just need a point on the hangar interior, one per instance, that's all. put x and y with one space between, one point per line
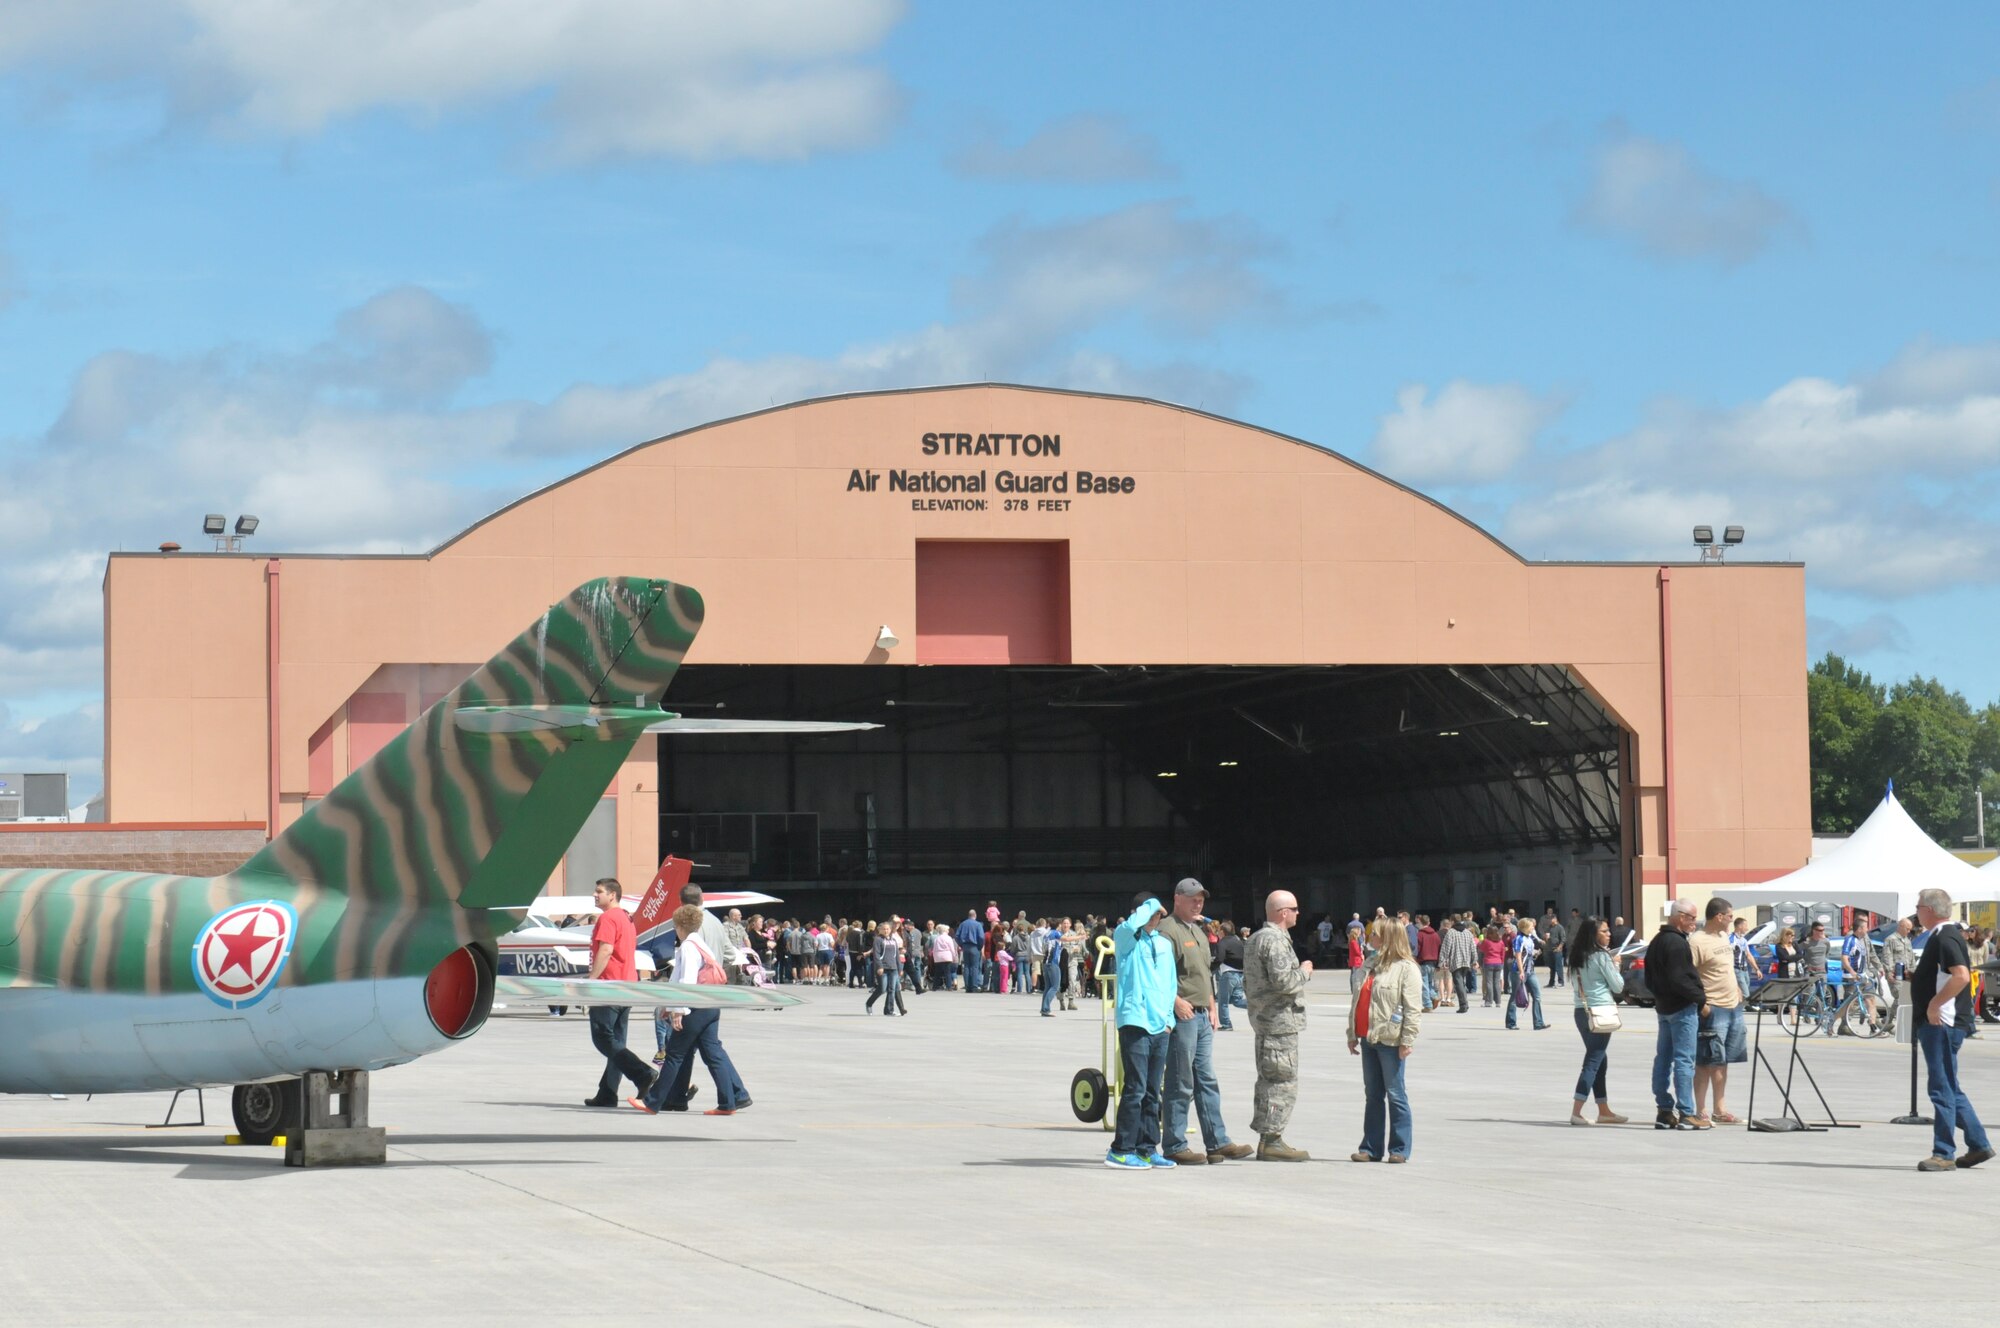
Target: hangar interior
1068 786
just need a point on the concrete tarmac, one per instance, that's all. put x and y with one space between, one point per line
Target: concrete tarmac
927 1170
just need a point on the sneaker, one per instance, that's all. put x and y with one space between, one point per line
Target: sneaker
1231 1153
660 1056
744 1104
1126 1162
1161 1161
1974 1157
600 1102
1937 1164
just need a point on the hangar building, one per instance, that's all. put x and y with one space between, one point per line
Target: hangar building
1110 641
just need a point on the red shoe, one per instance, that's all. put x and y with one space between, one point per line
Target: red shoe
720 1111
639 1104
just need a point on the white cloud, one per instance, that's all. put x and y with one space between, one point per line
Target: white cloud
1468 433
70 742
359 443
683 78
1882 489
1655 194
1925 373
1024 316
1878 633
1076 149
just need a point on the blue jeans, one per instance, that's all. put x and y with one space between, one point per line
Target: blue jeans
1430 974
1534 987
1596 1060
1145 1063
700 1034
607 1034
892 988
1229 992
1673 1060
1051 981
1191 1078
1382 1080
973 972
1556 959
1951 1110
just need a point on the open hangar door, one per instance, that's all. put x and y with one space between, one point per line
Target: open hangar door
1065 788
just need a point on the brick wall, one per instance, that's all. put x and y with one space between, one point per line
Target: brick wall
179 850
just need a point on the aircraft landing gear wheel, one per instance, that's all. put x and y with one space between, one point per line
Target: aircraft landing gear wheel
1089 1095
265 1111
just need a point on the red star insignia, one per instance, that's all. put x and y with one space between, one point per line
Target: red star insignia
240 948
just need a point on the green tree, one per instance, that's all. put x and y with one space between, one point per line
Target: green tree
1919 733
1923 738
1842 704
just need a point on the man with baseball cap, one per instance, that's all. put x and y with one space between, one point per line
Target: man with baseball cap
1190 1051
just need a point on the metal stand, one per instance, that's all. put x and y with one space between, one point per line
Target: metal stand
327 1136
1906 1028
200 1107
1784 991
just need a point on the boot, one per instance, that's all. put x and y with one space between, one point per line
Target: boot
1273 1148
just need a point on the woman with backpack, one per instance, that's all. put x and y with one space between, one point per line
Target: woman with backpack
1382 1030
1598 984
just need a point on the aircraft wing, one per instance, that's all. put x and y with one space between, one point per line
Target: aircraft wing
584 991
684 724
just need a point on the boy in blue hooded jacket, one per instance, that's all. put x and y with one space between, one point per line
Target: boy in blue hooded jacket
1146 983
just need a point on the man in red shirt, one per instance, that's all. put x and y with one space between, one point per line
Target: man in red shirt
1429 944
612 943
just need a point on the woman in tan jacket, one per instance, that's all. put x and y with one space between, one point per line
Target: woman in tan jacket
1383 1032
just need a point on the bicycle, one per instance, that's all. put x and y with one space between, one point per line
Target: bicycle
1862 1010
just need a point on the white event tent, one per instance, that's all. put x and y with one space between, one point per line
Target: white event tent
1880 868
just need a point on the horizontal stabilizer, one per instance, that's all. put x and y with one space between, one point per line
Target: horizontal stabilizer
585 991
681 725
568 721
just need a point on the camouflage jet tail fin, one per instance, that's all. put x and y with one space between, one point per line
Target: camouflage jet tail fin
459 809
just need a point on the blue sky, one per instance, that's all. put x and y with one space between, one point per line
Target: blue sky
371 269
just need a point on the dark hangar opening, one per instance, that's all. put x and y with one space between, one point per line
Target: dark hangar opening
1068 787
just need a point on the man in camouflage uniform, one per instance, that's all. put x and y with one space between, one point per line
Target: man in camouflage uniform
1273 982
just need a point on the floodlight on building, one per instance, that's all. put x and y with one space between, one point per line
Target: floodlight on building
216 526
886 639
1226 765
1712 552
1447 733
1168 774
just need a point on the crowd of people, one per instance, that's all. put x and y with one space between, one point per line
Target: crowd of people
1177 975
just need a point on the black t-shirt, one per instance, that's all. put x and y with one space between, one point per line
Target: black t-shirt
1944 951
